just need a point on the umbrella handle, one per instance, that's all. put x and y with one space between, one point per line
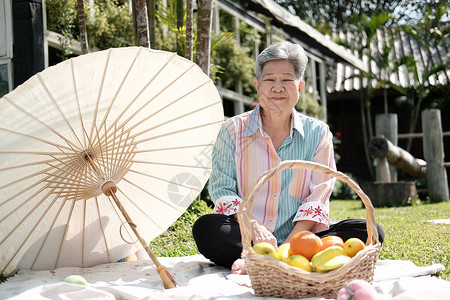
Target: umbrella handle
166 277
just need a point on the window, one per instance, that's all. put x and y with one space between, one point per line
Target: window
5 48
5 78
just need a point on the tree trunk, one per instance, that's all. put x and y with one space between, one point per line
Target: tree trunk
364 130
180 23
82 25
396 156
412 129
151 8
189 30
140 22
204 34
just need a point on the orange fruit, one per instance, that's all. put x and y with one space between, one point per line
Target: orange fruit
353 246
331 240
305 243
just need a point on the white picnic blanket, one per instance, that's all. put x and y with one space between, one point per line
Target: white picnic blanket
198 279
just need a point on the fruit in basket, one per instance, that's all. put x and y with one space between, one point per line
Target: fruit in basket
319 261
305 243
334 263
357 289
265 248
299 261
331 240
284 251
353 246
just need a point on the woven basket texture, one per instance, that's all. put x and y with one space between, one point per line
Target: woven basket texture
272 278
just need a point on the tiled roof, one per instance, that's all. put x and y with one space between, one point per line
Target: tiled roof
402 45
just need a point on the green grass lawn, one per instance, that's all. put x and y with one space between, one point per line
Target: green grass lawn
408 235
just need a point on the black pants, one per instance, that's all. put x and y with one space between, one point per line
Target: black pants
218 237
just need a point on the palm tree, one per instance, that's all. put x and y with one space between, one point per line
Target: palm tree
180 23
82 26
140 21
189 30
431 34
204 34
366 28
151 8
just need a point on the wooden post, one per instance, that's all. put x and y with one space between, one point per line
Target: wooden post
386 125
383 170
433 150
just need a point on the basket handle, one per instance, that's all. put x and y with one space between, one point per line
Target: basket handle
244 213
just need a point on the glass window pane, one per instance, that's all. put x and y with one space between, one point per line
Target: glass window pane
4 80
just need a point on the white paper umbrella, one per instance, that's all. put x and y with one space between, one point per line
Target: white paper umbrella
136 122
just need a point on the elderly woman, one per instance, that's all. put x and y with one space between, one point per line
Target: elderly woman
256 141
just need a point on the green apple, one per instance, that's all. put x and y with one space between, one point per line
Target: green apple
76 279
266 248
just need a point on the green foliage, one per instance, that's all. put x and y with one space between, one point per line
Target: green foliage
343 190
235 64
168 17
310 106
62 18
368 26
111 27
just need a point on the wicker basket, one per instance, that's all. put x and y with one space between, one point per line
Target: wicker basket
271 278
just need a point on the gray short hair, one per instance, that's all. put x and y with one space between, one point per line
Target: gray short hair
293 53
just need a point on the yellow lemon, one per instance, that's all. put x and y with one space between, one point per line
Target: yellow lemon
353 246
284 252
299 261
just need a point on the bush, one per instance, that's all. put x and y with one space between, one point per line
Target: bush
234 63
343 191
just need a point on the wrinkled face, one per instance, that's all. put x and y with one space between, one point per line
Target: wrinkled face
278 87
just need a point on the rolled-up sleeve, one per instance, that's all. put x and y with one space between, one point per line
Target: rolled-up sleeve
222 183
315 207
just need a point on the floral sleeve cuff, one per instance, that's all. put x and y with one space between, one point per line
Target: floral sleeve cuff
227 205
313 211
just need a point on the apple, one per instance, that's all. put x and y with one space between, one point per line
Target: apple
76 279
265 248
357 289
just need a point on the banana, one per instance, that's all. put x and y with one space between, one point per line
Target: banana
320 258
334 263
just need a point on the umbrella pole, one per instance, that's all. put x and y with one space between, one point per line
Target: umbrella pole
166 277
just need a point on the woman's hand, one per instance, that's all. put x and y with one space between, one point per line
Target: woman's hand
261 234
305 225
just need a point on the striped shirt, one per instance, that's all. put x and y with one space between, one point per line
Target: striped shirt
243 151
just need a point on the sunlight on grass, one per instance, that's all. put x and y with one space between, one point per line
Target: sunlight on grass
408 235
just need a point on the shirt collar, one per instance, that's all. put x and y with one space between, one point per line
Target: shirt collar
254 122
